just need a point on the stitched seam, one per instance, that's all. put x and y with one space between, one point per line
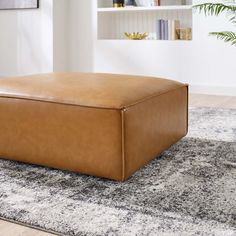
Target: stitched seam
123 145
58 103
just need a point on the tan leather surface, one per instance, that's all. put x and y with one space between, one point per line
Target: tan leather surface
85 140
119 126
153 126
84 89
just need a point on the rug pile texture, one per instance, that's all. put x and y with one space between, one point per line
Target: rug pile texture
189 190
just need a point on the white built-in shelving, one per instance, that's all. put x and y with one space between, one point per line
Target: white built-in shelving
113 22
145 9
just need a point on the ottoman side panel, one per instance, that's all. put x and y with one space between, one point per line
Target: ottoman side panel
81 139
154 125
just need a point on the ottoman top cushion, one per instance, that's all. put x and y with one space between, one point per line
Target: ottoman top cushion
86 89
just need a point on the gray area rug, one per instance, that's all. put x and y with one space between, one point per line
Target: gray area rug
189 190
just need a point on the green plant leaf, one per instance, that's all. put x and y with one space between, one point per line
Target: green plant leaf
215 8
227 36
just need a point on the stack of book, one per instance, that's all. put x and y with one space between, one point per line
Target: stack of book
167 29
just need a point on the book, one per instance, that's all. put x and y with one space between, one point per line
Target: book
154 3
162 30
165 30
157 2
170 30
175 24
158 29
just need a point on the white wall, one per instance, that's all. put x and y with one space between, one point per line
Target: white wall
60 35
26 44
206 63
82 23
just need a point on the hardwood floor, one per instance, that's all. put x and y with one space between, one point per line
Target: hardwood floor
10 229
212 101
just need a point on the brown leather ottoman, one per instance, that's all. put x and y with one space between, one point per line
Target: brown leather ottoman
97 124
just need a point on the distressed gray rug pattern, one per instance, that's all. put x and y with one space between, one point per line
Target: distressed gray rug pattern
189 190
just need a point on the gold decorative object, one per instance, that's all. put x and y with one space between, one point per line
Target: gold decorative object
136 36
118 5
184 33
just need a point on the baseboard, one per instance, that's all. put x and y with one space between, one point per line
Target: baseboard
213 90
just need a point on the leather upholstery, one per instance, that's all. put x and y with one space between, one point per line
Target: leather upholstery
97 124
85 89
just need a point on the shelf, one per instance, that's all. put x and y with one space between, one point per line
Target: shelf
113 22
154 41
145 9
